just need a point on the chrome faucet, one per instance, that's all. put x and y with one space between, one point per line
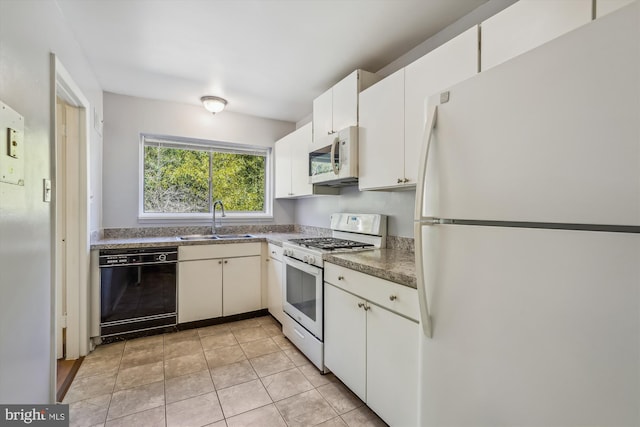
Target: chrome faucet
213 225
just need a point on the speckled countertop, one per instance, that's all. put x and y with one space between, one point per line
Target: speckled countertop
395 265
389 264
164 241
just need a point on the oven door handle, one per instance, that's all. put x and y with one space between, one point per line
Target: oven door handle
307 268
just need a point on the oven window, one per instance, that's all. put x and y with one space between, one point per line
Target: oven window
301 291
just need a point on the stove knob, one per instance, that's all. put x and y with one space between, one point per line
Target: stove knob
311 260
306 259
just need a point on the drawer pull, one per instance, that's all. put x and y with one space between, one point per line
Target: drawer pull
392 297
340 277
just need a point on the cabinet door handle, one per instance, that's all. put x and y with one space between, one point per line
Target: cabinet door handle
392 297
405 180
225 261
273 252
367 307
399 180
360 305
340 277
267 260
219 262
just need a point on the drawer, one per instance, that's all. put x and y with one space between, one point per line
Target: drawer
275 251
219 250
398 298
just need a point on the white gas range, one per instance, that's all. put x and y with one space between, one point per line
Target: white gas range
303 290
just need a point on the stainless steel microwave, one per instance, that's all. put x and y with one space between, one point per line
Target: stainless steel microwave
334 160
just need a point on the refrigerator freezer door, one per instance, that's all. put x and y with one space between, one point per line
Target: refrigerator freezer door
550 136
531 327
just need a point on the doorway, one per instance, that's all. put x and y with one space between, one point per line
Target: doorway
70 210
66 206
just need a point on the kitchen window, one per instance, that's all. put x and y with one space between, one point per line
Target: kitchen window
180 178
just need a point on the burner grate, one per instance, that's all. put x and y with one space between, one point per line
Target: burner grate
330 243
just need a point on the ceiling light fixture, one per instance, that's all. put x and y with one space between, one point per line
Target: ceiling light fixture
214 104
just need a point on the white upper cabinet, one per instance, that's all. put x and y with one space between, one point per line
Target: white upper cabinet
604 7
323 114
292 166
345 101
381 134
300 185
451 63
393 112
528 24
291 158
337 108
283 162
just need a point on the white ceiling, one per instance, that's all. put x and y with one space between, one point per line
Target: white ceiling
268 58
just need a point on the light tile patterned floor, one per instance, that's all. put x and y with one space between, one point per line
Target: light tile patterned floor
237 374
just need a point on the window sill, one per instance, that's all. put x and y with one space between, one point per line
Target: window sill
205 219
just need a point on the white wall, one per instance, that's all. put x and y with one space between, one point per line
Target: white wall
398 205
127 117
29 31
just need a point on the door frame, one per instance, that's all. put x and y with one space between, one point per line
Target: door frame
78 251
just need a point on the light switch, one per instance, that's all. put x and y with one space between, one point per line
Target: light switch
46 190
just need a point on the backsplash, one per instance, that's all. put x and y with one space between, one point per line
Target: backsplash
117 233
400 243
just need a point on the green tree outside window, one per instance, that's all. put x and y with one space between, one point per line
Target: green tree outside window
190 179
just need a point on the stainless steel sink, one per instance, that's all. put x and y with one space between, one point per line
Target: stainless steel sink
234 236
215 236
199 237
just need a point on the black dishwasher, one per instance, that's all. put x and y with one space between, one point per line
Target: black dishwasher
137 290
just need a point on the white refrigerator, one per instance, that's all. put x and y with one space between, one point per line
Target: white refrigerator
527 238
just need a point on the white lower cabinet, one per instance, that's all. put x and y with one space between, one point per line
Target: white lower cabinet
373 350
392 366
199 290
345 340
241 285
218 280
274 282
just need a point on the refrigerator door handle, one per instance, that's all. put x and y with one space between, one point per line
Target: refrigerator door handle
424 157
420 221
